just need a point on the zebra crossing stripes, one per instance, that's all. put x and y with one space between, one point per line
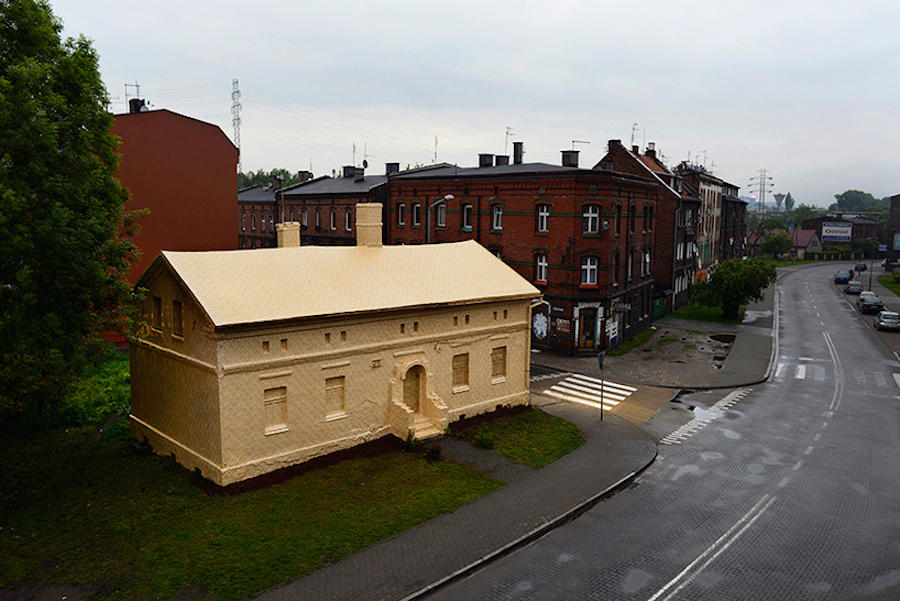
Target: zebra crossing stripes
550 376
590 391
704 416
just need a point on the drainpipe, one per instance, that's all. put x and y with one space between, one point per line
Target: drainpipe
674 255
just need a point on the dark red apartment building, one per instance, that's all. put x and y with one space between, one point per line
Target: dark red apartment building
584 237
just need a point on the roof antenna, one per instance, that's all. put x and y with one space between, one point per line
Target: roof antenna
509 132
633 129
574 142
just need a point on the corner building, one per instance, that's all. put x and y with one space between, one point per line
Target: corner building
583 237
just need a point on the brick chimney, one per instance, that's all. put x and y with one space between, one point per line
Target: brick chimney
368 224
570 158
288 234
651 150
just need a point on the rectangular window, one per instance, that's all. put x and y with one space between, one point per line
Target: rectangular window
157 313
540 268
496 217
590 219
589 271
416 214
543 218
467 217
348 221
460 372
252 223
441 215
498 364
334 396
333 220
401 214
303 219
243 223
318 219
177 323
275 407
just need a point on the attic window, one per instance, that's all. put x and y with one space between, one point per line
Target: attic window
177 323
157 314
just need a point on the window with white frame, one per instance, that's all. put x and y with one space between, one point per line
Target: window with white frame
540 268
252 223
243 223
589 271
303 218
318 219
333 220
467 216
401 214
590 219
441 215
543 218
348 221
416 210
497 217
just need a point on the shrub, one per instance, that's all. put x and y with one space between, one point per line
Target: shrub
433 453
485 440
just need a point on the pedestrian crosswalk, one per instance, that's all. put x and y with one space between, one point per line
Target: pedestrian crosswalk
704 416
589 391
808 370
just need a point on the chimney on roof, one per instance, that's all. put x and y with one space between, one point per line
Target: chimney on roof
303 176
635 149
349 170
359 174
288 234
518 152
391 168
137 105
485 160
570 158
502 159
368 224
651 150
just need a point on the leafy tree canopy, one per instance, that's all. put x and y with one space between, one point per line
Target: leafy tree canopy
804 212
776 244
857 200
65 245
264 178
734 283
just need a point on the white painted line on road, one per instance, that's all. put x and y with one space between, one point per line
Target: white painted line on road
808 450
796 467
801 372
781 367
607 404
604 382
896 379
784 482
806 358
590 391
817 437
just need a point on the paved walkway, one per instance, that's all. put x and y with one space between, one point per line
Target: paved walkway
416 562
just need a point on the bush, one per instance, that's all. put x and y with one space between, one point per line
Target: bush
896 275
433 453
101 391
485 440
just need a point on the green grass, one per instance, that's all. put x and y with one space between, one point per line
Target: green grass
698 313
633 342
888 282
667 340
101 391
532 438
134 524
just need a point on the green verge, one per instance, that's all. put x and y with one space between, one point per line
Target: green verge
134 524
533 437
633 342
888 282
699 313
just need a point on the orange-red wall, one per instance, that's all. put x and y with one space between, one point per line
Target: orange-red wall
185 172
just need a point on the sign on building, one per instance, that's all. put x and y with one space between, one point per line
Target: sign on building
837 231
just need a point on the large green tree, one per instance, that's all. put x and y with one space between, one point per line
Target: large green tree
734 283
264 178
776 244
65 244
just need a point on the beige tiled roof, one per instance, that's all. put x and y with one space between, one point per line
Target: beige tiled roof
253 286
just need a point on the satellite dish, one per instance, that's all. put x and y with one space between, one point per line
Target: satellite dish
365 164
605 224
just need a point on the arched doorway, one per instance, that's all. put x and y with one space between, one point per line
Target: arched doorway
413 384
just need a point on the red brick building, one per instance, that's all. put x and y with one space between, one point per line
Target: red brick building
182 170
677 211
256 206
584 237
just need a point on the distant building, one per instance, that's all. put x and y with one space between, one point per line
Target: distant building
804 241
843 228
254 361
257 210
184 171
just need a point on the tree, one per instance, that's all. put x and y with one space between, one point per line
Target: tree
734 283
857 200
776 244
264 178
66 243
804 212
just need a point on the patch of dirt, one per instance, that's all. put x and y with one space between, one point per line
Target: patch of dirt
675 345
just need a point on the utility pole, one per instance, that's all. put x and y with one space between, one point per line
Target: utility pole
236 119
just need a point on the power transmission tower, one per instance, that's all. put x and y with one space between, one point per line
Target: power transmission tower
236 120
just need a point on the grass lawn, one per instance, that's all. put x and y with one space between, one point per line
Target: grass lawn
633 342
532 437
698 313
134 525
888 282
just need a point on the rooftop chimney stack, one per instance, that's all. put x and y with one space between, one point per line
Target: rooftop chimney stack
391 168
359 174
518 152
303 176
349 170
288 234
368 224
485 160
651 149
502 159
137 105
570 158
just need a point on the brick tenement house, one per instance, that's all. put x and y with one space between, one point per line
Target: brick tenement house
733 236
677 210
584 237
256 206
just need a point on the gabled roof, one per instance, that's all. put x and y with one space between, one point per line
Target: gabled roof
257 193
274 284
801 238
336 185
454 170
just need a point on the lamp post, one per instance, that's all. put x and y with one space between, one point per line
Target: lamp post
446 198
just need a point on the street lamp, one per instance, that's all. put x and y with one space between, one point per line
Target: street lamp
446 198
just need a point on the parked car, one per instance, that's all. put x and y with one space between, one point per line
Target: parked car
887 320
842 277
863 295
861 267
871 304
853 287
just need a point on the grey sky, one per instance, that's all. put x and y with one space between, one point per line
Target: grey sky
805 89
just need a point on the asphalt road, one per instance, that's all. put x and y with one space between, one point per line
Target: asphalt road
785 490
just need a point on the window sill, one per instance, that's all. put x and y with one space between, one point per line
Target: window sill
276 429
497 231
540 282
499 380
177 337
458 389
466 229
335 416
589 287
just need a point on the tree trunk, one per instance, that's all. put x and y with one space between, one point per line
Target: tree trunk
731 311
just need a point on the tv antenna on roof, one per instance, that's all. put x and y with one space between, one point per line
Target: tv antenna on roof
509 132
574 142
634 127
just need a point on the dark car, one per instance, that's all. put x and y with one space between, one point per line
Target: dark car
887 320
842 277
871 304
853 287
861 267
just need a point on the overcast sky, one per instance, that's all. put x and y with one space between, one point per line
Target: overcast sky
805 89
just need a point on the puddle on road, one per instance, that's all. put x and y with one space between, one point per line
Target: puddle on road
705 414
